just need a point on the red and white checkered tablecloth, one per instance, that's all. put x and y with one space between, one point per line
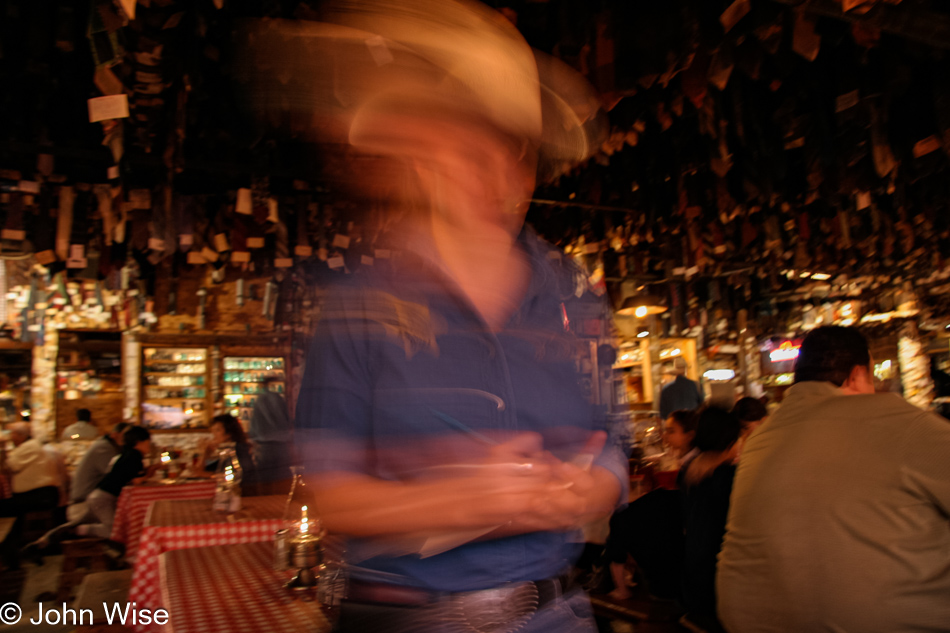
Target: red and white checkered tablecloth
234 589
175 525
134 502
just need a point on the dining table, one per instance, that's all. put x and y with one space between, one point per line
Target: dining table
135 500
173 525
234 589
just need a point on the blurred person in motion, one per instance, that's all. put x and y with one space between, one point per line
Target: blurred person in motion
441 419
840 506
752 414
227 432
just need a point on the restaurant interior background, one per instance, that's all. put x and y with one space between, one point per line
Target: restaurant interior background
770 166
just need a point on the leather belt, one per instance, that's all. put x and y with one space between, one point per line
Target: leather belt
360 591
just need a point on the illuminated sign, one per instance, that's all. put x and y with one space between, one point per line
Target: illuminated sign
786 351
719 374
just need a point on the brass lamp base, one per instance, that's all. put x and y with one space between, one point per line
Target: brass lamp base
305 579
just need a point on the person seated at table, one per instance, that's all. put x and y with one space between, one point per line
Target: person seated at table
35 481
128 469
272 435
226 431
92 469
706 484
650 529
82 428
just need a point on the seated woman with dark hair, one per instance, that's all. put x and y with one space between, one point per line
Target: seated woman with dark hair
129 468
650 529
227 431
706 484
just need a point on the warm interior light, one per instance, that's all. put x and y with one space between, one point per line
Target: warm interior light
786 351
821 277
676 352
645 334
641 305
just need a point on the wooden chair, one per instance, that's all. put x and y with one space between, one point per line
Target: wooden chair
80 557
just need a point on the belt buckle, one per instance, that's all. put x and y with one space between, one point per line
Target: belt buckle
503 609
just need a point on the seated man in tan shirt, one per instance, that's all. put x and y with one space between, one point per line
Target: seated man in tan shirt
840 511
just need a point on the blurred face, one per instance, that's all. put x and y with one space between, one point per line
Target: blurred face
144 447
674 435
217 433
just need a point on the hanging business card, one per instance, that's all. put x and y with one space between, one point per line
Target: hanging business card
255 242
110 107
12 234
76 263
245 202
194 257
731 16
335 262
272 210
186 239
156 244
679 271
209 254
926 146
322 254
284 262
366 260
77 251
221 242
303 251
341 241
862 200
847 101
240 257
113 172
45 257
382 253
29 186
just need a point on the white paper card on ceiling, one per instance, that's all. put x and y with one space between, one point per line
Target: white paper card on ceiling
303 251
77 251
245 202
186 239
926 146
283 262
156 244
113 172
255 242
194 257
221 242
29 186
366 260
341 241
335 262
12 234
847 101
76 263
209 254
129 7
110 107
240 257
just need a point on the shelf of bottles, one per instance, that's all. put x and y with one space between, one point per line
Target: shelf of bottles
246 377
175 385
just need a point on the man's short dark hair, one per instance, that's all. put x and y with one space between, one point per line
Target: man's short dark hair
749 410
84 415
830 354
120 427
